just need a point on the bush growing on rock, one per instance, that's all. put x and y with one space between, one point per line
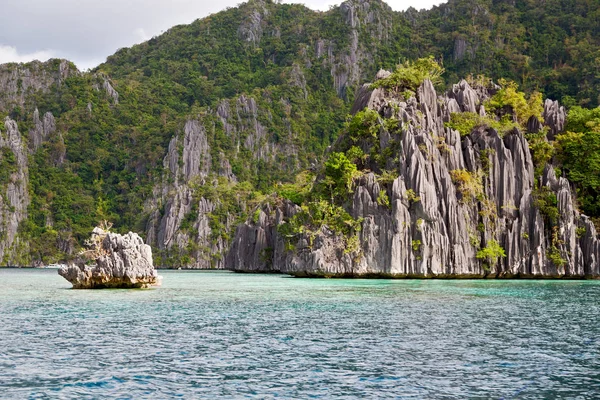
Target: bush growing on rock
409 75
509 100
491 252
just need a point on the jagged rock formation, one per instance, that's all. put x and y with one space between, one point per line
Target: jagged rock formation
189 163
18 81
257 245
14 195
374 21
41 129
191 166
433 227
554 117
251 29
121 261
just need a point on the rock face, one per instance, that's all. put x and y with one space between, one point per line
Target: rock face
432 226
175 196
178 225
17 81
14 193
41 129
554 117
121 261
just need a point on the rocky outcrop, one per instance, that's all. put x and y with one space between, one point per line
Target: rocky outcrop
17 81
178 225
251 29
103 82
196 152
257 245
363 17
554 117
453 198
110 91
14 193
41 129
461 49
367 97
119 261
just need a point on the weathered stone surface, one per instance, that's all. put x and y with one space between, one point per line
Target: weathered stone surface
110 91
461 49
14 194
439 234
17 81
121 261
189 162
257 246
465 96
196 152
251 29
41 129
555 117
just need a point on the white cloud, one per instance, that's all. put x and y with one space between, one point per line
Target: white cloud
85 64
10 54
141 34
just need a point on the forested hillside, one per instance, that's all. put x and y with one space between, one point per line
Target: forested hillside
178 138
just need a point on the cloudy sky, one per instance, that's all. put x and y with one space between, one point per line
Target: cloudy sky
87 31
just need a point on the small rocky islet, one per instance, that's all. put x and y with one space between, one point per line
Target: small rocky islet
113 261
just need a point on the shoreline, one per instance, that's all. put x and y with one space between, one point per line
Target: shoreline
370 276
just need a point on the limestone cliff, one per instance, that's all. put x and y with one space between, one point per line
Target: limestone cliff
14 194
432 225
19 81
190 169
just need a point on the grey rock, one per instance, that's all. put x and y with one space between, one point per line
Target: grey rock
297 79
461 48
171 160
14 194
225 168
110 91
41 129
440 234
533 125
196 151
120 261
188 162
320 48
365 96
465 96
382 74
363 17
251 29
178 206
17 81
554 117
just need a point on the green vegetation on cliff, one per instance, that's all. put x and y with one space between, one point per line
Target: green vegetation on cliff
579 150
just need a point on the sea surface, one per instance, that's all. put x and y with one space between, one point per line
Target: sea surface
225 335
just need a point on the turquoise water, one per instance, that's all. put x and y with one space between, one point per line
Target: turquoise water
225 335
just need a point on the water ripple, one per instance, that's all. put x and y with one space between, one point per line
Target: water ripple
222 335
